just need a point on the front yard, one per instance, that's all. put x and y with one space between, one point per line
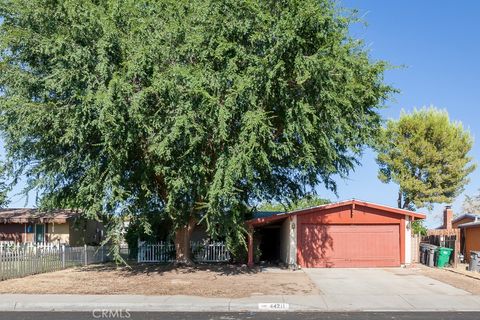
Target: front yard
469 283
208 281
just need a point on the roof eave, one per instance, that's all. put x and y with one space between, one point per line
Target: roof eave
411 214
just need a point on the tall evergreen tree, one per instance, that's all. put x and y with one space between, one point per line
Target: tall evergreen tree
427 156
192 109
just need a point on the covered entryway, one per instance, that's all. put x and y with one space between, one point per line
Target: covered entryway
269 244
330 246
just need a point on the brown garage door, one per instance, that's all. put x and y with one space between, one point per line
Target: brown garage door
330 246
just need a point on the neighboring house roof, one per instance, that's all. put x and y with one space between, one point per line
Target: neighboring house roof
472 216
353 202
474 223
28 215
265 214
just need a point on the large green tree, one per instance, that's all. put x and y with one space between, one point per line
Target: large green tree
306 202
192 109
426 154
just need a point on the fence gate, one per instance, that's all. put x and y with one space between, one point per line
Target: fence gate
201 252
159 252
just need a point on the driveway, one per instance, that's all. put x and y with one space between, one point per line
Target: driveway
388 289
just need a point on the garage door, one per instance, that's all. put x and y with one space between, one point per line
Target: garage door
330 246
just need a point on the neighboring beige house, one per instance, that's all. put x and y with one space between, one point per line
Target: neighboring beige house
26 225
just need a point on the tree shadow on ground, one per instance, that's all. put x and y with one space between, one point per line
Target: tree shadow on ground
135 268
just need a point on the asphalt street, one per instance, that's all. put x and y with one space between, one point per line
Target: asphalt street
123 314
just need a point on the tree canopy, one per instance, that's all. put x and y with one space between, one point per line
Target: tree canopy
471 204
305 202
192 109
426 154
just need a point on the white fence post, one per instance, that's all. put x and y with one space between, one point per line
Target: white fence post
85 251
63 256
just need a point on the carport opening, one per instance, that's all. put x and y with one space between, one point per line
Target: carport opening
270 243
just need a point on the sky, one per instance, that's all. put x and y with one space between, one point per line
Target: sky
437 43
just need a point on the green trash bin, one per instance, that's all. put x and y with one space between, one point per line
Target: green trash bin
443 256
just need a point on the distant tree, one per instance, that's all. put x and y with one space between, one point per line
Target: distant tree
4 187
418 227
471 204
192 109
305 202
427 156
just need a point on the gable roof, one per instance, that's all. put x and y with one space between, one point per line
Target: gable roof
353 202
29 215
472 216
475 223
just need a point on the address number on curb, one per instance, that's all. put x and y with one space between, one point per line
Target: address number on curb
273 306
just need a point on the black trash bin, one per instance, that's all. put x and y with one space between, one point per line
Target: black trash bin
423 253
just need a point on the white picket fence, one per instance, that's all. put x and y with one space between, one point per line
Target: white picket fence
201 252
20 261
29 246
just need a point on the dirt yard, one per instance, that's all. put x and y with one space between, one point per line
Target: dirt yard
208 281
454 279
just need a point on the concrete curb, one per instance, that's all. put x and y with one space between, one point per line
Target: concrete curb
475 276
89 303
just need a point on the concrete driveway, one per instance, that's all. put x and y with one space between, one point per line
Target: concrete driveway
388 289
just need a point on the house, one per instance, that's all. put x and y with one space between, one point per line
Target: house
24 225
467 229
447 235
351 233
469 224
465 218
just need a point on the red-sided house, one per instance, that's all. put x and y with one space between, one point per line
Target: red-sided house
345 234
25 225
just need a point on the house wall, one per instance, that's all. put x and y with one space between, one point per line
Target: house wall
408 241
85 231
58 232
472 241
29 236
288 242
16 232
199 233
12 232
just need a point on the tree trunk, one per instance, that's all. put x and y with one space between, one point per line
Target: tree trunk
400 199
182 243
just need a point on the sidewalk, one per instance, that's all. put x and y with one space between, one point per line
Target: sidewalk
22 302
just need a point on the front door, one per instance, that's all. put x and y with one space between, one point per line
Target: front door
39 233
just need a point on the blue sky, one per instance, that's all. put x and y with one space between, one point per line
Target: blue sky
437 42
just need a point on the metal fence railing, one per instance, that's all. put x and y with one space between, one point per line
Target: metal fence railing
158 252
210 252
201 252
20 261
